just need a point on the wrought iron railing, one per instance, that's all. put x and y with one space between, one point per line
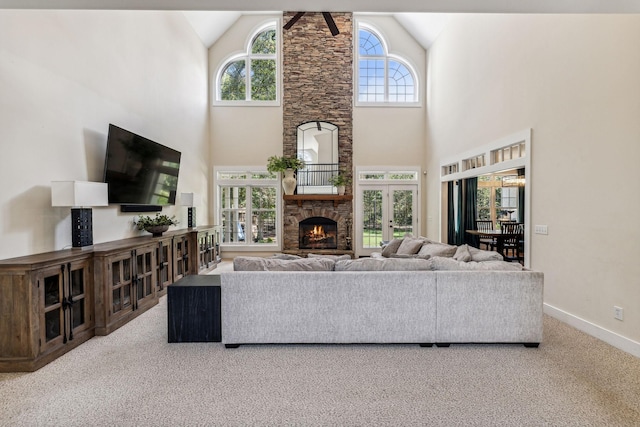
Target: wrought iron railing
317 174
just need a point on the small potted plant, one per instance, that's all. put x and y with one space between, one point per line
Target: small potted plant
287 165
156 225
340 181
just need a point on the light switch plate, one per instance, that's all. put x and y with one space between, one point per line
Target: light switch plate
541 229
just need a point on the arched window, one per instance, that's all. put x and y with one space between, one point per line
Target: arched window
251 76
382 77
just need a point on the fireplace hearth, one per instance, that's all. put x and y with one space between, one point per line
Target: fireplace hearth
318 233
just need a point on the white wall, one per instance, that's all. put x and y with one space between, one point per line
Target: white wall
242 135
574 80
393 136
64 76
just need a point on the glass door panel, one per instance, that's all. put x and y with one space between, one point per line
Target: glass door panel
388 211
403 207
77 285
53 324
372 231
51 283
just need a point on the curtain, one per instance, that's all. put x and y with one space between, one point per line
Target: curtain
459 215
451 215
470 211
521 172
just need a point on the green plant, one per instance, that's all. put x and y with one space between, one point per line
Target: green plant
339 180
282 163
145 222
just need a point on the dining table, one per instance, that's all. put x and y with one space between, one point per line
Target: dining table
498 235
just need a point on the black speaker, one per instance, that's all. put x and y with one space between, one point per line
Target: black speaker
140 208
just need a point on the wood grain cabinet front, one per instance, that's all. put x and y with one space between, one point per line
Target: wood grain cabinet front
46 307
128 286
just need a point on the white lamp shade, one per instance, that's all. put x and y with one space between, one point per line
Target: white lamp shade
188 199
79 193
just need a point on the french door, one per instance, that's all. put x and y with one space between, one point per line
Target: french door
387 211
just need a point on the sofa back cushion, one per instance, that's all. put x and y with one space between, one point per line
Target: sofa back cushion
273 264
446 263
333 257
383 264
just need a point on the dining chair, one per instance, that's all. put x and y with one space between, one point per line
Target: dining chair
486 225
511 242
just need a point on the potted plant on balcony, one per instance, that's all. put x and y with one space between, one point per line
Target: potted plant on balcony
340 181
156 225
288 166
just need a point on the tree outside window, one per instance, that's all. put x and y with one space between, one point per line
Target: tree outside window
255 70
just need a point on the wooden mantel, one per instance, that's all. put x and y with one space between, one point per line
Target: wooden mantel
318 197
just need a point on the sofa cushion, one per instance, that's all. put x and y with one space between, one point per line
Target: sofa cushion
285 256
462 253
409 246
383 264
437 249
391 247
333 257
271 264
446 263
481 255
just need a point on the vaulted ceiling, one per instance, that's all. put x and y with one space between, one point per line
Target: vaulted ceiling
424 19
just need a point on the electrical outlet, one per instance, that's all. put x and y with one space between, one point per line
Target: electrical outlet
618 313
541 229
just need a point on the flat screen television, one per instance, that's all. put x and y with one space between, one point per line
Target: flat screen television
140 171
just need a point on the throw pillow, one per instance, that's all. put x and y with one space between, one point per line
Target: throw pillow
391 247
436 249
409 246
462 253
480 255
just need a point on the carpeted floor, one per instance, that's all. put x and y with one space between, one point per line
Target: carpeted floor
133 377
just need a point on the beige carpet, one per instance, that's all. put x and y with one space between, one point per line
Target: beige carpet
133 377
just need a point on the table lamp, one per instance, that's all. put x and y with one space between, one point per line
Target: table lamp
80 195
189 200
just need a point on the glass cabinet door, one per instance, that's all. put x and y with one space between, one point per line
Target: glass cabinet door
145 275
181 253
121 283
51 282
164 261
65 302
81 296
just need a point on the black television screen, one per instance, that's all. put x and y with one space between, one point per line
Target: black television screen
140 171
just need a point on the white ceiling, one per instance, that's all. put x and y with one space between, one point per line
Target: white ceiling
424 19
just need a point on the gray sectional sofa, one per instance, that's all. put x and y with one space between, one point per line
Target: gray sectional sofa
424 301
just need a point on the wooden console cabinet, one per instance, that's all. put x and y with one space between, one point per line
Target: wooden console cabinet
208 248
125 275
52 302
46 308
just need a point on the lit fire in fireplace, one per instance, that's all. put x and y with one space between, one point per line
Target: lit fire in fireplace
318 233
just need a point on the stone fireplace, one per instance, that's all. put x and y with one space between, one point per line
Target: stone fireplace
318 86
318 232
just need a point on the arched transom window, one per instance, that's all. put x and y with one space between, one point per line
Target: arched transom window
251 76
382 77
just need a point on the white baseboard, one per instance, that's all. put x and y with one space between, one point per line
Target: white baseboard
618 341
